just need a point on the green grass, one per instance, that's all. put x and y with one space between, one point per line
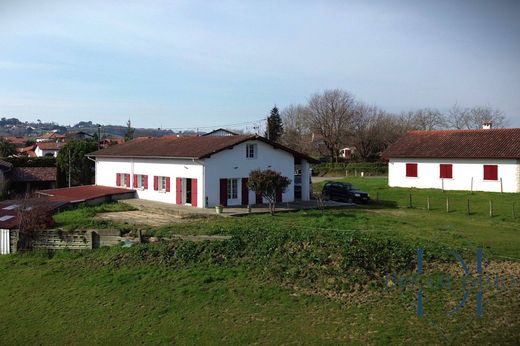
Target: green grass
83 216
104 297
309 277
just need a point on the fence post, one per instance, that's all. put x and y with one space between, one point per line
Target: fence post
491 208
447 205
428 202
469 210
501 186
410 205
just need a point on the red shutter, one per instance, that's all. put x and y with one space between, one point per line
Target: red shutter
135 180
490 172
411 170
245 192
155 182
168 184
223 192
178 190
194 192
446 171
145 182
118 179
128 180
258 198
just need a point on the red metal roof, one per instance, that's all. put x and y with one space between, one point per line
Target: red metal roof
475 144
82 193
197 147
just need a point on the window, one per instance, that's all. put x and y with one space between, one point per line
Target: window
446 171
140 181
411 170
232 188
162 183
490 172
251 151
123 179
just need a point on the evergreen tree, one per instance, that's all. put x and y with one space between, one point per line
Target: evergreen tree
129 135
274 125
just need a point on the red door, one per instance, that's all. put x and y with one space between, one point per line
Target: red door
223 192
178 190
258 199
245 192
194 192
278 196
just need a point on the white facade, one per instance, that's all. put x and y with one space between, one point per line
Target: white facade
45 152
227 164
467 174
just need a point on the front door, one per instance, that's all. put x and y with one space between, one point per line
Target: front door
232 192
188 190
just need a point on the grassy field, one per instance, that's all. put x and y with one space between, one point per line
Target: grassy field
310 277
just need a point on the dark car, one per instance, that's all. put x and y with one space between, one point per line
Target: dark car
344 192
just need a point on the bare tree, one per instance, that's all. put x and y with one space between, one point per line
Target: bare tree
374 130
331 115
297 134
474 117
424 119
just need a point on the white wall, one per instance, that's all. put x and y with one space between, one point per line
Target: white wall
463 171
106 169
229 163
40 153
234 164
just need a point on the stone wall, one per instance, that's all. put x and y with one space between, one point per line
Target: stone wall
56 239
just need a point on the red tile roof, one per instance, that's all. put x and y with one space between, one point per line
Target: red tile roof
49 145
27 174
82 193
197 147
51 135
491 143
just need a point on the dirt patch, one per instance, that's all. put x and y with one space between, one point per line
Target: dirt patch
140 217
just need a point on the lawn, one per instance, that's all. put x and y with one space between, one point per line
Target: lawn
309 277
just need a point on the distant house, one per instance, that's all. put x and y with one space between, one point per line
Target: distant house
220 132
18 141
50 136
78 135
480 160
345 153
21 180
42 149
201 171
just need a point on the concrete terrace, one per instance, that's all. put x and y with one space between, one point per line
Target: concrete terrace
184 210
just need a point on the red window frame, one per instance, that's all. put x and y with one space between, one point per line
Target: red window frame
490 172
446 171
411 170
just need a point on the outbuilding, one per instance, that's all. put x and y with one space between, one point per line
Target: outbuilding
476 160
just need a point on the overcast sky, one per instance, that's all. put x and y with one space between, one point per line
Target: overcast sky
189 63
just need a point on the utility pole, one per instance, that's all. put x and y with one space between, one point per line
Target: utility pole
69 167
99 136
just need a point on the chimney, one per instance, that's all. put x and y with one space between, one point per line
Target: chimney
487 125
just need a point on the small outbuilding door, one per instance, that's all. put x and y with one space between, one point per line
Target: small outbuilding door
4 242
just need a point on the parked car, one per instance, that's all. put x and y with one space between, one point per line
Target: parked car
344 192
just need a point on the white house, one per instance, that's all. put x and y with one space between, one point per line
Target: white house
42 149
201 171
477 160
